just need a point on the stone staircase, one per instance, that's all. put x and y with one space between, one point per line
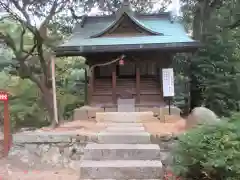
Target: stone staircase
124 152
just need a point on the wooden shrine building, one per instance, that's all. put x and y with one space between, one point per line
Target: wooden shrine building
126 53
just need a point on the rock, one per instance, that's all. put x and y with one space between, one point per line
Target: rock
86 112
23 155
201 115
53 157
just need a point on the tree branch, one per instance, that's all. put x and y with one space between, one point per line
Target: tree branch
22 39
109 6
51 13
39 47
16 17
214 3
8 40
74 16
22 10
30 52
234 25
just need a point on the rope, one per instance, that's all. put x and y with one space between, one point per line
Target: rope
107 63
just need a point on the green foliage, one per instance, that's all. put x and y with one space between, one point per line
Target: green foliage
24 102
26 106
214 68
215 77
181 68
210 152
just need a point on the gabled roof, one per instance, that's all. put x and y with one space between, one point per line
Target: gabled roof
133 19
88 36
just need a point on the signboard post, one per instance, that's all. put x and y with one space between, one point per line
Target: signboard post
7 134
168 85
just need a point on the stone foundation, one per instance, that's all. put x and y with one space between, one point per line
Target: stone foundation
87 112
63 150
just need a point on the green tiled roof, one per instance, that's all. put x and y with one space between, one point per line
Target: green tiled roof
101 41
167 34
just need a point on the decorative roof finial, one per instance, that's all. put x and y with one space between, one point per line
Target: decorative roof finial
125 8
126 5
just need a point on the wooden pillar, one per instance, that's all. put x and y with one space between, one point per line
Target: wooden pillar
54 91
114 84
91 86
85 87
138 82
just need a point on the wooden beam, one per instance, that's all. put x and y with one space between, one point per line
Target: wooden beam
137 83
114 84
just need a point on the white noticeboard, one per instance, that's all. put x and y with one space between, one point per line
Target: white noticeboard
168 82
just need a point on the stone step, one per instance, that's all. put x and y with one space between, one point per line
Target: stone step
124 129
123 116
122 152
123 138
122 170
123 124
122 119
119 179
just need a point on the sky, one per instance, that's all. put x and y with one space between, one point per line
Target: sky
174 7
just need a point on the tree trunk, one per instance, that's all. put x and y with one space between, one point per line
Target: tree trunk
47 97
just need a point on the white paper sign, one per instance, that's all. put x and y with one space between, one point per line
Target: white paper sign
168 82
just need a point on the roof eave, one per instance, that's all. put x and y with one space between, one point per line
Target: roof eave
83 50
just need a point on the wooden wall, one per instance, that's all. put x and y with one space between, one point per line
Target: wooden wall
149 64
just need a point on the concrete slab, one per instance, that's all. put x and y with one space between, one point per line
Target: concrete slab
122 152
122 169
124 138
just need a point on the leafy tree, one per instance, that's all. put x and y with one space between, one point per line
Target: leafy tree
213 68
31 45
